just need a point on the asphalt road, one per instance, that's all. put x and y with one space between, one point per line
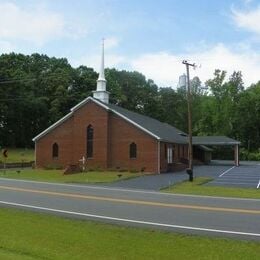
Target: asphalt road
238 218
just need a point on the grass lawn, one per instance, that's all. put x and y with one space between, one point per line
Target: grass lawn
18 155
26 235
197 187
57 176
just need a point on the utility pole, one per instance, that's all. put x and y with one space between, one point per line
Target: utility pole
190 156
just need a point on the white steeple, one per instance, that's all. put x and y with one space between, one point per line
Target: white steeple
101 92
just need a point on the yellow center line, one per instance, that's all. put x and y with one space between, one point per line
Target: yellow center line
128 201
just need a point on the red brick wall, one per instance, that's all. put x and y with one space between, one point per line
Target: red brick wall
91 114
60 135
112 137
71 138
122 134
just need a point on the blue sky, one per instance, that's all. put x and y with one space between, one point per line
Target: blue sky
149 36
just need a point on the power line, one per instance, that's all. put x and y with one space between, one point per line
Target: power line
16 80
36 97
9 81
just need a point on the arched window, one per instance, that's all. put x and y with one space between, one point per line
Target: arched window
90 135
132 150
55 150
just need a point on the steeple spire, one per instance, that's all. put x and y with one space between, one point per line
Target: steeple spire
102 64
101 92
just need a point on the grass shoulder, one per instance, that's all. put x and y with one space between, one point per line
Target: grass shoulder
58 176
27 235
18 155
197 187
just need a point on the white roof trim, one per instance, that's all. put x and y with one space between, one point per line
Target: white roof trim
83 102
46 131
127 119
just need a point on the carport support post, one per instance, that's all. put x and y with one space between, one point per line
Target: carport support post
159 157
236 153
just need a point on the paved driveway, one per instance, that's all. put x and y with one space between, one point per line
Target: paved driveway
223 172
158 181
245 176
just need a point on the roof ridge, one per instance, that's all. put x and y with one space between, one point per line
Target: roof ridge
160 130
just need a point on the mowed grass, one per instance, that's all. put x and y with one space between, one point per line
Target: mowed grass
18 155
57 176
197 187
26 235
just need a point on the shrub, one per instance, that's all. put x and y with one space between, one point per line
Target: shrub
122 170
53 166
133 171
143 169
250 156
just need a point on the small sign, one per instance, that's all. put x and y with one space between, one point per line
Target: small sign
5 153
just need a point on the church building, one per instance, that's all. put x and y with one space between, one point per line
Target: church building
107 136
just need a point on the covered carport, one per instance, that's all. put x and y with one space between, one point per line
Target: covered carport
218 141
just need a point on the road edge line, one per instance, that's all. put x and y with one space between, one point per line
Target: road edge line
131 220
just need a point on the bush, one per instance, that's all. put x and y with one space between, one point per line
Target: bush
254 156
249 156
133 171
143 169
53 166
123 170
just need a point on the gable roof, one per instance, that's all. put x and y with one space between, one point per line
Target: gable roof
162 131
158 130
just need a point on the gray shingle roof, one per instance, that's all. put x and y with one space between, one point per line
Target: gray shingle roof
164 131
157 129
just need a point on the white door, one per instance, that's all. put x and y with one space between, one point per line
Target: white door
169 154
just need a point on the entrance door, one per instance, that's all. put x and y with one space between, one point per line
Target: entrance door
169 155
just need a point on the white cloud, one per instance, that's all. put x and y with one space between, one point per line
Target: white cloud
249 20
162 67
165 68
36 25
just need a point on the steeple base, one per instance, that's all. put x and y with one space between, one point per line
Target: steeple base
102 96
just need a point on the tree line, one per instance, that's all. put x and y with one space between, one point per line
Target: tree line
37 90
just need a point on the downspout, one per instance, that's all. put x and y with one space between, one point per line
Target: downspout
159 157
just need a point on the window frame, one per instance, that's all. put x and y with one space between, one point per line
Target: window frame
55 151
133 150
89 142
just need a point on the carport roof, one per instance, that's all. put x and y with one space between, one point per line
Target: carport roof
213 140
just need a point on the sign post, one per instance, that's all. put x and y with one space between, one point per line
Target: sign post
5 155
83 160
